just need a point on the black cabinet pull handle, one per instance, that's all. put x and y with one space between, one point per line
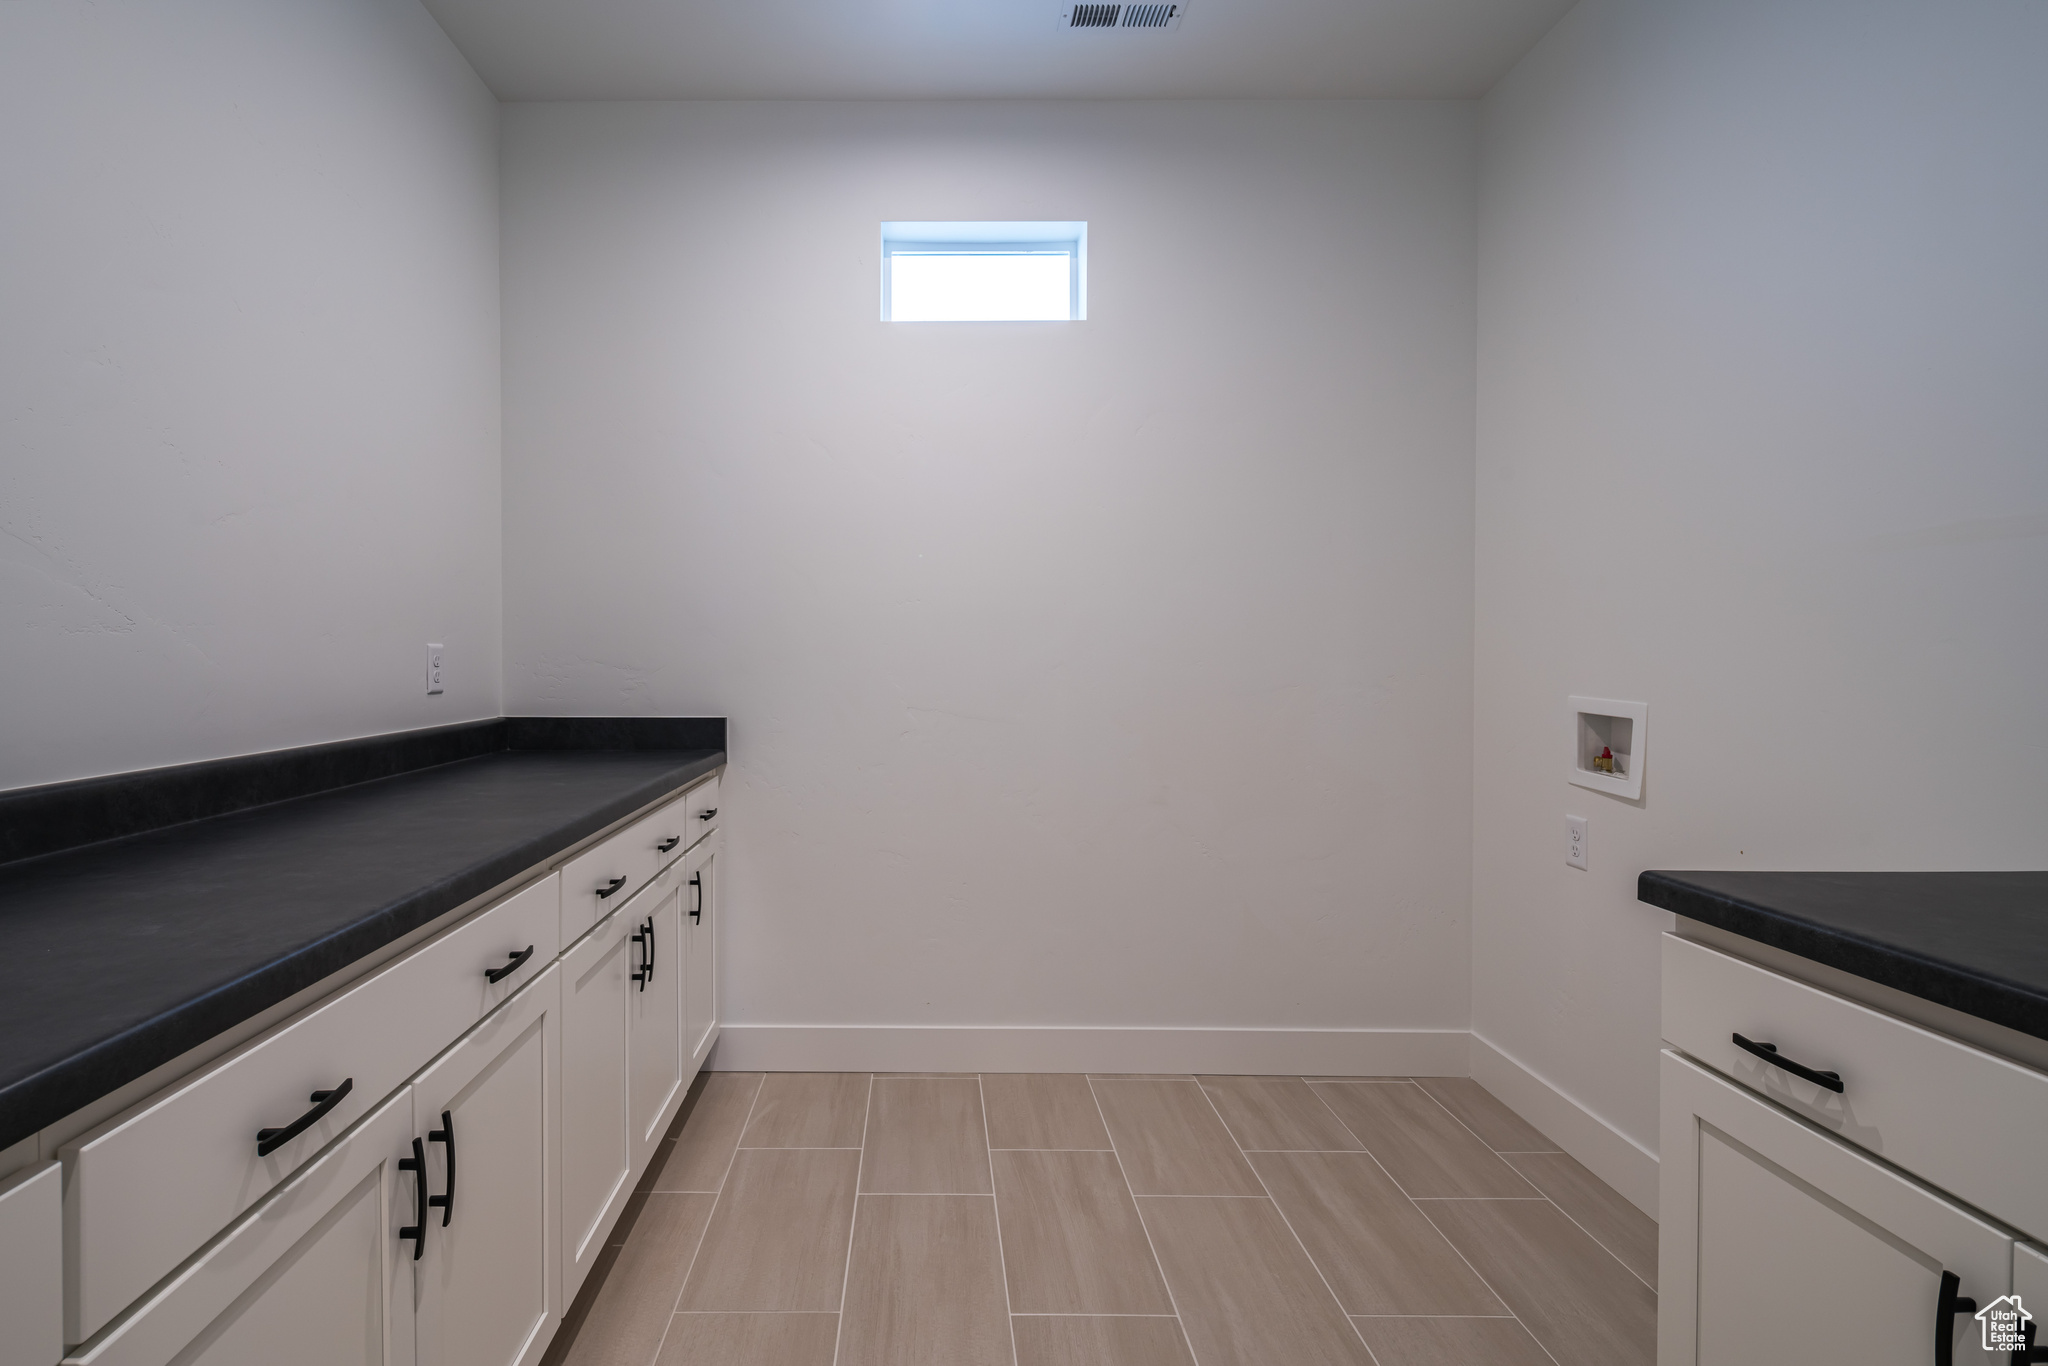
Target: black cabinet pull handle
616 883
495 975
417 1165
269 1141
650 948
707 813
2028 1354
444 1134
1769 1053
697 910
644 972
1945 1310
671 842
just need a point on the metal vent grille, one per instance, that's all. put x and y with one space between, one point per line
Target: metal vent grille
1154 16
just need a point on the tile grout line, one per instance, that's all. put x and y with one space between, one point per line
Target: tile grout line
1150 1246
1459 1121
1288 1224
1571 1219
676 1305
1502 1299
1002 1257
1541 1194
859 1170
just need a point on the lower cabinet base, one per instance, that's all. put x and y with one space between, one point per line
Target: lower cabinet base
1779 1242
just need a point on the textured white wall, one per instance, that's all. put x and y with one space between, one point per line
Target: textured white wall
1763 441
1113 673
248 379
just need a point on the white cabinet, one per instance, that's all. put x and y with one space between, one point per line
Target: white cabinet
605 876
247 1122
1797 1247
654 1015
701 869
1942 1110
2030 1286
700 808
490 1279
31 1273
596 1153
419 1170
315 1276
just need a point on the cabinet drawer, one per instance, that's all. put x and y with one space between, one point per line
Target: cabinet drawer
150 1186
316 1273
702 804
604 877
31 1272
1960 1118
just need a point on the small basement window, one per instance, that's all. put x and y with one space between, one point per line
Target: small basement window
980 272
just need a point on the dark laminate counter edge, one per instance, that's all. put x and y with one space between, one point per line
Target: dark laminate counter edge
2014 1005
57 816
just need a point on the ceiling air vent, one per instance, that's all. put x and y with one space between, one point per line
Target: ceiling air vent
1158 17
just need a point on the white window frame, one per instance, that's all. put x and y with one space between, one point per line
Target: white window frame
1071 241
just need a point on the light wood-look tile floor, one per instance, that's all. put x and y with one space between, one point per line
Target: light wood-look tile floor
836 1219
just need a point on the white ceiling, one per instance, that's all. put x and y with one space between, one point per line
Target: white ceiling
987 49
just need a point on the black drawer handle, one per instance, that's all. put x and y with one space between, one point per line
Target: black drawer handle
417 1165
496 975
697 909
707 813
644 937
269 1141
616 883
2028 1354
444 1134
1946 1308
1769 1053
671 842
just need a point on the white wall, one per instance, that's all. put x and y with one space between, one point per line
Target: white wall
1763 379
1102 674
248 379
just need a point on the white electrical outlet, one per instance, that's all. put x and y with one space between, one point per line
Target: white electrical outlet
434 653
1575 852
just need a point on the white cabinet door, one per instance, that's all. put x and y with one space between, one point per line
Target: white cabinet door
654 1011
490 1280
31 1268
595 1151
1780 1243
317 1275
701 869
2030 1290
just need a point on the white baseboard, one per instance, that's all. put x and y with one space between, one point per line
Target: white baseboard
974 1048
1607 1152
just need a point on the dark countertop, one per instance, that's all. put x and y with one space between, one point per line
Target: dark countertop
1975 942
119 955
